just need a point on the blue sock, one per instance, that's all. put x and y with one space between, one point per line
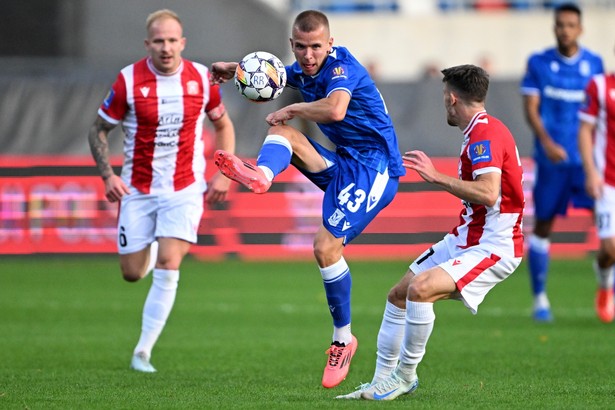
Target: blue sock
538 261
337 281
275 154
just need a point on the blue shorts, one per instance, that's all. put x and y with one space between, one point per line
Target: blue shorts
354 193
555 187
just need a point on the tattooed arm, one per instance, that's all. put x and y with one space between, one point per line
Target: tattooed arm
99 146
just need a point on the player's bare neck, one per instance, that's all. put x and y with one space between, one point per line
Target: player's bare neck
568 51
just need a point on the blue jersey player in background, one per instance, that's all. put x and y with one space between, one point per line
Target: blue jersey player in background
553 91
359 178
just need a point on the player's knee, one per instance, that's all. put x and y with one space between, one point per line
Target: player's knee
418 291
169 263
319 252
397 296
325 253
131 272
284 131
608 247
131 276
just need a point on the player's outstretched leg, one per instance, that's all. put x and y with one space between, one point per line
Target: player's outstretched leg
392 387
247 174
338 362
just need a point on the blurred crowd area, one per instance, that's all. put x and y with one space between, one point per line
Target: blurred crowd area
59 57
435 5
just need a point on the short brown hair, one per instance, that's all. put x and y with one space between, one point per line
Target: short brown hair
310 20
470 81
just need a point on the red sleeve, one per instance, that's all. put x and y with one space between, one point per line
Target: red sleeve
215 107
591 106
114 106
486 146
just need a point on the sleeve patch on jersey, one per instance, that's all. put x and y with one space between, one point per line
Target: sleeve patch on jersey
109 99
338 72
480 152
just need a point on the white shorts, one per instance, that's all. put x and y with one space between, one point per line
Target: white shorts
605 213
475 270
145 217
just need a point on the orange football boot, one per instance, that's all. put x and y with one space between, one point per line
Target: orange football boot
247 174
338 364
605 307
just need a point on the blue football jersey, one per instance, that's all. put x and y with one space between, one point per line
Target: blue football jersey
560 82
366 133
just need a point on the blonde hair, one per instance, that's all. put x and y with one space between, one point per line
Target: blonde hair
160 14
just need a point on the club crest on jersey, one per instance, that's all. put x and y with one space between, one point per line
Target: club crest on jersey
480 152
335 219
338 72
144 91
192 87
109 98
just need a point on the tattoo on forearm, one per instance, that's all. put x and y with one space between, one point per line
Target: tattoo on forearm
99 146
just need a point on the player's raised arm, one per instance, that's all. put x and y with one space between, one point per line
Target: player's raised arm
326 110
483 190
221 72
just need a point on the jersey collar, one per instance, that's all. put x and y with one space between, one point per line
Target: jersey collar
157 72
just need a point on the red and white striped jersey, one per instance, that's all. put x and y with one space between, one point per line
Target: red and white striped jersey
599 109
162 118
489 146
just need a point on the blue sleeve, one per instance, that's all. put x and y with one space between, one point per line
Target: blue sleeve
290 77
341 76
530 79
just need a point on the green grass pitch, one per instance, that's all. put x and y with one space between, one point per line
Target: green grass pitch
249 335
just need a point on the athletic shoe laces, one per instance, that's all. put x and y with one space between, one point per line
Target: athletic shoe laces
335 353
388 384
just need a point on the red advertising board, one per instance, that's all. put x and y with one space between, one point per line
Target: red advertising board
57 205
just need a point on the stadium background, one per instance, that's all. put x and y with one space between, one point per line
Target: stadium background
60 56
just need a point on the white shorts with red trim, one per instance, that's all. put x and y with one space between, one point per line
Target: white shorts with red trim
475 270
145 217
605 213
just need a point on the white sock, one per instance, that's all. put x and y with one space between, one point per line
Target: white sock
542 245
604 276
153 256
268 172
342 334
420 319
158 305
389 341
541 301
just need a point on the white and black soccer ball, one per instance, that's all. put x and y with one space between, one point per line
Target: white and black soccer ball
260 76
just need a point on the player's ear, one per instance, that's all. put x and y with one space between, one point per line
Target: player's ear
452 97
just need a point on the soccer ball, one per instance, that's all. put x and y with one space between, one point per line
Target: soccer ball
260 76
